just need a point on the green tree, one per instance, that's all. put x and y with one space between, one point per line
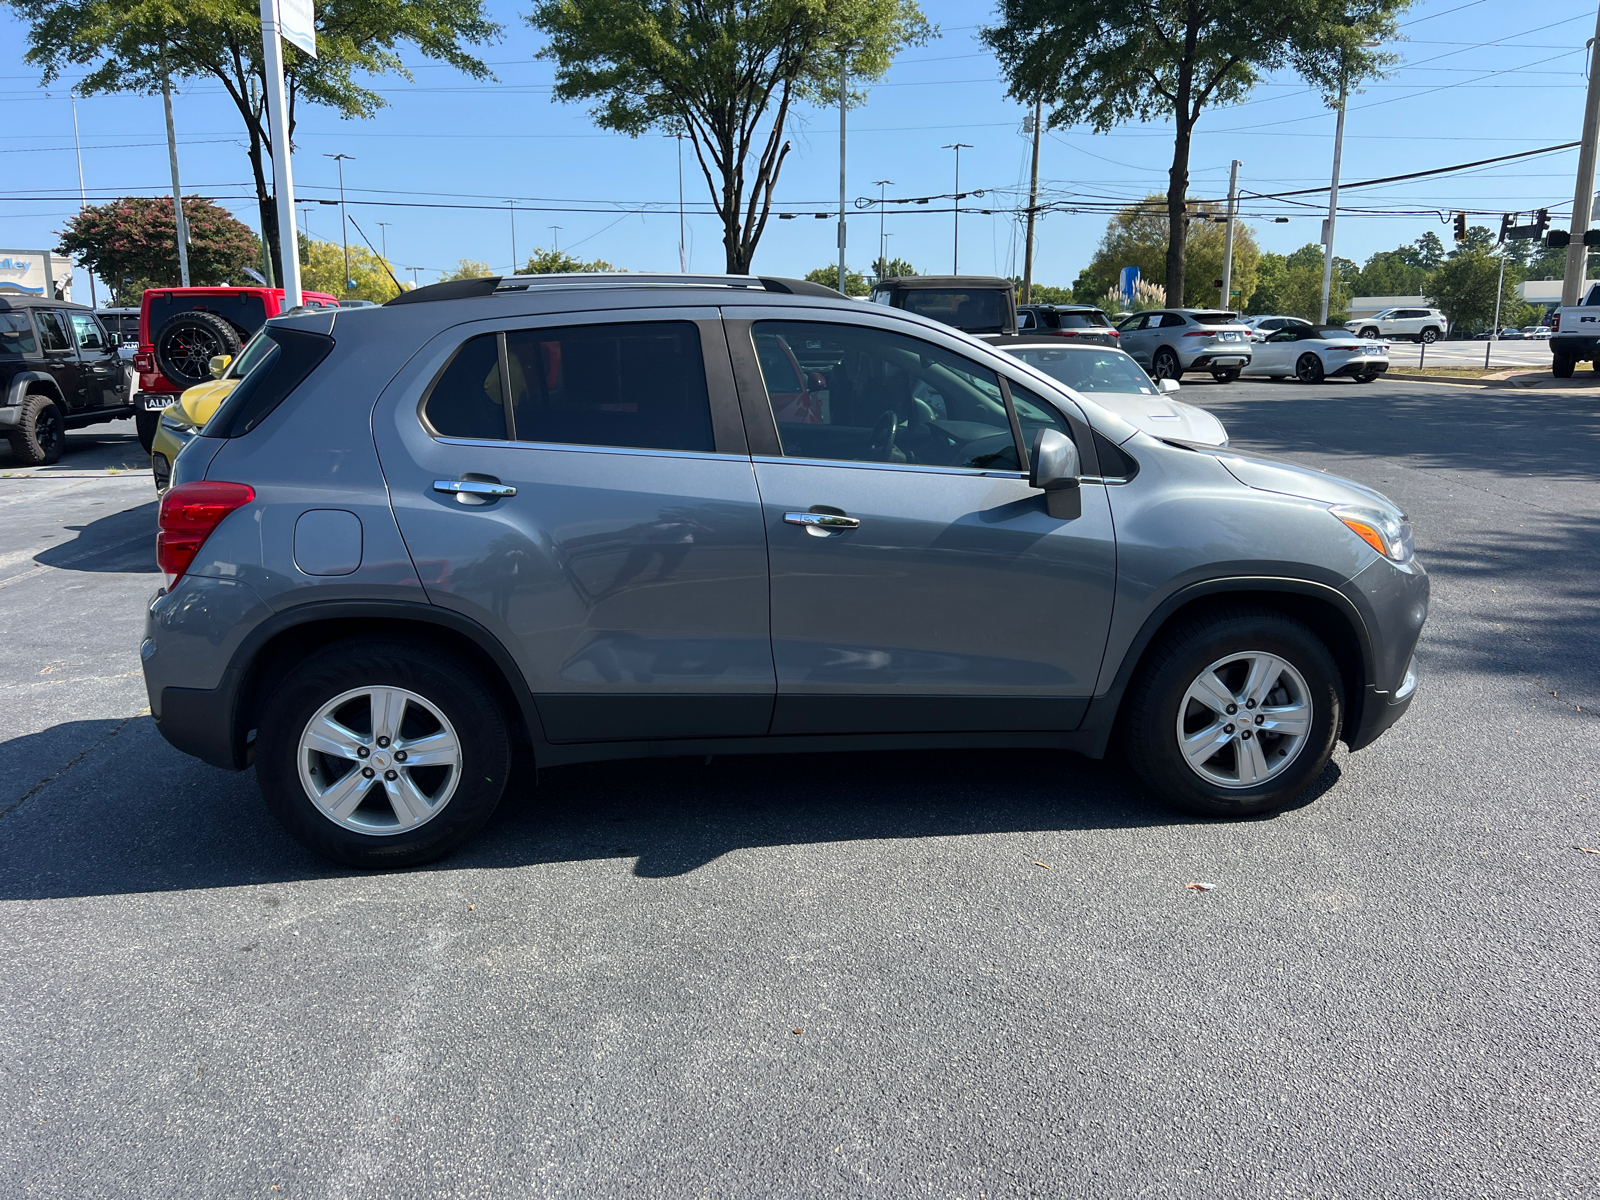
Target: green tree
1479 240
1291 285
1136 236
468 268
1391 273
892 269
559 262
855 283
1090 287
132 244
1465 285
130 45
1107 62
322 270
717 73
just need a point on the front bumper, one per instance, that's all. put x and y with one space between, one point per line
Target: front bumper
9 416
1393 602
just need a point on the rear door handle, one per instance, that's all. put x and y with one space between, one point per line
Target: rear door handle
474 487
822 523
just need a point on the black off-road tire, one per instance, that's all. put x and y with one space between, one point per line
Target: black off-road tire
1308 369
1164 364
1227 376
187 343
1148 725
441 679
1562 367
147 423
40 435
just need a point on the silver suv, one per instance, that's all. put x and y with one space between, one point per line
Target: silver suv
606 517
1168 342
1417 324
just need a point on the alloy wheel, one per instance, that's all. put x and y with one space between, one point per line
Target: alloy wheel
50 432
1308 369
1244 719
379 760
191 351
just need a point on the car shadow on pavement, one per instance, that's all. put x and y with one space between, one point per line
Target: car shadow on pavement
136 816
121 542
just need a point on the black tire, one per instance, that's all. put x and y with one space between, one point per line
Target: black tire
1164 364
188 342
1370 332
1308 369
40 435
1277 378
1227 376
1150 720
146 423
1367 376
1429 336
440 680
1561 366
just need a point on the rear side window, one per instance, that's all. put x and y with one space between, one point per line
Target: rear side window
465 401
52 332
1171 321
287 357
16 334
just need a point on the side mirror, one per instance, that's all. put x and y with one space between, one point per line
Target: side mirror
219 364
1167 386
816 381
112 339
1054 470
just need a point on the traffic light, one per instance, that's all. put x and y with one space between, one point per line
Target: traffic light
1507 222
1461 227
1541 220
1591 237
1557 238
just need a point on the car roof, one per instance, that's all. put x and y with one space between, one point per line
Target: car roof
1023 342
12 300
943 281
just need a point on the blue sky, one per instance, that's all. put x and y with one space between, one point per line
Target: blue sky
1479 79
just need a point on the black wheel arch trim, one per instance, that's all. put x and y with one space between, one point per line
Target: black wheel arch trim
21 381
1100 720
239 675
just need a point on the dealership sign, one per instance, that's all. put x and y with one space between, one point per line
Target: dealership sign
36 274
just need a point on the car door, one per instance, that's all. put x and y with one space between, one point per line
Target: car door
1136 337
604 525
100 370
917 582
55 342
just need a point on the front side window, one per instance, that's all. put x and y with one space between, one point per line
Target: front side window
847 392
1133 323
16 334
90 335
52 332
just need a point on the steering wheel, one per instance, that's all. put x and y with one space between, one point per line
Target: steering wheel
881 447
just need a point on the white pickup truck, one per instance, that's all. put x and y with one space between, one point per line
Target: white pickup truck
1575 335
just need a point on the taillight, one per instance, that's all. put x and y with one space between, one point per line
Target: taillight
1199 333
1066 333
144 360
1555 322
1116 333
189 512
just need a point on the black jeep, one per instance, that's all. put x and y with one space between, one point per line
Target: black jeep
59 370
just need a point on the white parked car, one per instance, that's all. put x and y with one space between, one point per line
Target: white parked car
1413 324
1312 353
1118 383
1539 333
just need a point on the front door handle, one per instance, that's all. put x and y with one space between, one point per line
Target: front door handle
474 491
821 524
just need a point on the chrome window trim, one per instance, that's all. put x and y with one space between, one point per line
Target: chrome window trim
585 448
918 468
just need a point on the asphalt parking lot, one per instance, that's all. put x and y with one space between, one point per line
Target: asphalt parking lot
946 975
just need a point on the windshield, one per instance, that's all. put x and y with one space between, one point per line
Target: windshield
1088 370
1083 320
970 309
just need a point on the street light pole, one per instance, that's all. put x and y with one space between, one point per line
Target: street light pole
955 246
555 239
1333 203
683 257
344 228
83 200
1227 242
843 97
883 238
177 190
383 236
1583 195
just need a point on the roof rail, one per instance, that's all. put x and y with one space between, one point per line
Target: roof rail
461 289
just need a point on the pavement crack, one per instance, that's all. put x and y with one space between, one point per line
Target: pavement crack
71 762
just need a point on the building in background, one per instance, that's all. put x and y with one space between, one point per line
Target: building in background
36 273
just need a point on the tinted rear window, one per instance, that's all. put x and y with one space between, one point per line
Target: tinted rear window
1083 320
287 356
465 401
974 310
1216 318
16 334
244 312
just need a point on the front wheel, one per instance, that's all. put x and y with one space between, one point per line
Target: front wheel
1370 333
1308 369
379 753
1235 714
40 435
1165 364
1227 376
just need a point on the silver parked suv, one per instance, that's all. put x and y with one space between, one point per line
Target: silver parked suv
1169 342
603 517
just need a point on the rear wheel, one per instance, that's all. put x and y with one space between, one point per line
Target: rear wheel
376 753
1165 364
1429 335
40 435
1561 366
1235 713
1227 376
1308 369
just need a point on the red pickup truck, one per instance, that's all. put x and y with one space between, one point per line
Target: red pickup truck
182 329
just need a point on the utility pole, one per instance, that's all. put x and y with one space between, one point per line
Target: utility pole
1333 203
844 96
883 238
555 238
1500 290
683 257
1227 242
177 190
344 228
1033 205
383 236
955 246
513 209
83 199
1583 193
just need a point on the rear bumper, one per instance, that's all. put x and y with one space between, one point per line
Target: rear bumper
1575 347
1219 360
200 721
1358 367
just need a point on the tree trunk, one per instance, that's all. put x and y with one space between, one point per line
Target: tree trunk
266 204
1177 215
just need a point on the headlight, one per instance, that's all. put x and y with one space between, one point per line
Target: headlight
1388 534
